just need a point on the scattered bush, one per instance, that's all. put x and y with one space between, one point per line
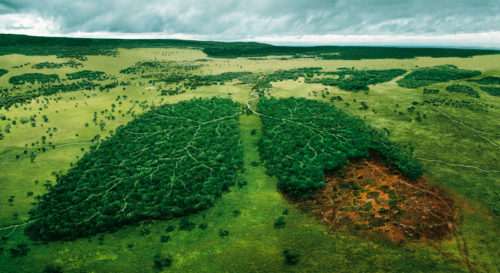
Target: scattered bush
430 91
223 232
291 258
50 65
280 222
52 269
160 262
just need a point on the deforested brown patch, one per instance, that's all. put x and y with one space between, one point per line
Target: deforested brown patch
370 198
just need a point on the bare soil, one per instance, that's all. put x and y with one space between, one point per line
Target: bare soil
372 198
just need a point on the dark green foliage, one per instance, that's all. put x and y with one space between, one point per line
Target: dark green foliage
52 269
336 52
263 82
291 258
464 104
223 232
170 229
87 75
436 74
50 65
242 183
184 224
19 251
7 100
494 91
33 78
460 88
165 238
430 91
489 80
3 72
172 72
172 92
160 262
172 161
280 222
355 80
304 138
206 80
236 212
81 47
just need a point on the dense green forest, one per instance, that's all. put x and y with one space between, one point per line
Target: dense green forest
488 80
33 78
80 47
429 75
465 89
169 162
88 75
338 52
304 138
494 91
51 65
354 80
3 72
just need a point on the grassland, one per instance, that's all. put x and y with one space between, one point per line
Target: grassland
459 148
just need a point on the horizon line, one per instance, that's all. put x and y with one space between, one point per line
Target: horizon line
289 41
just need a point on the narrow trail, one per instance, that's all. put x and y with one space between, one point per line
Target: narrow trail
459 165
479 133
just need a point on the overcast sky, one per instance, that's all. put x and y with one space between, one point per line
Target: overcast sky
459 23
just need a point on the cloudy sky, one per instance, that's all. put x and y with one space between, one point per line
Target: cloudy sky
460 23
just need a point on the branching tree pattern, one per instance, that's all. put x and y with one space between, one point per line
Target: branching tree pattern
304 138
171 161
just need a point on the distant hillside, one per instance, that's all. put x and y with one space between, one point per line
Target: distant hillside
81 47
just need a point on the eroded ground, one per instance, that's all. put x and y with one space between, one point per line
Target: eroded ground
371 198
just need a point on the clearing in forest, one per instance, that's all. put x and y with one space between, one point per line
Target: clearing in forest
368 197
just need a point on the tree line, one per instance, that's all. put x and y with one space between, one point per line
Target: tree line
430 75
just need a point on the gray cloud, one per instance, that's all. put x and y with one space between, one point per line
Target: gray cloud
237 20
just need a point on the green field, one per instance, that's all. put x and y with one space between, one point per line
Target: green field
455 136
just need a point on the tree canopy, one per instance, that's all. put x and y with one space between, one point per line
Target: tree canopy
304 138
172 161
429 75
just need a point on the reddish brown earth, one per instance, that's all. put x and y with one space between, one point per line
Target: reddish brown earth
372 198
